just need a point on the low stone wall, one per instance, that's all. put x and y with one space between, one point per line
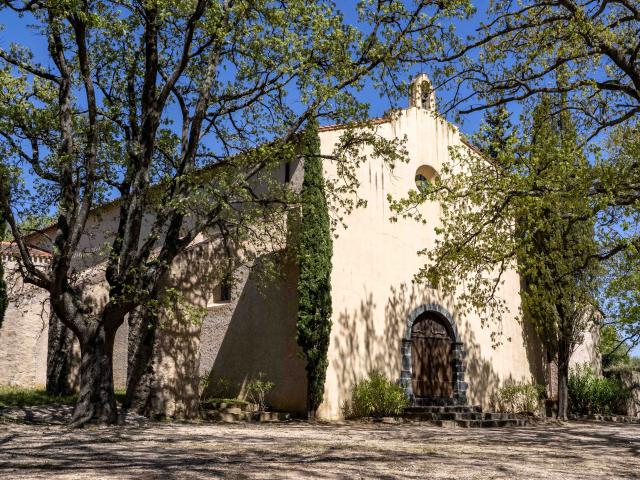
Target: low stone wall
607 418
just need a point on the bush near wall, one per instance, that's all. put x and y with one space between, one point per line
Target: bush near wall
591 394
376 397
519 397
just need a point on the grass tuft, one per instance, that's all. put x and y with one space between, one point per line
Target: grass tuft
33 397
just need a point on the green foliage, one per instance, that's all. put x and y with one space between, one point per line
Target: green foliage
519 397
257 390
632 364
495 138
521 48
555 260
589 394
613 349
376 397
314 283
620 303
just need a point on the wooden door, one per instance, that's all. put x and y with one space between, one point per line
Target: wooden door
431 359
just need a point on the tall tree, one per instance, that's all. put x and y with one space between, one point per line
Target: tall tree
496 135
136 94
556 262
314 284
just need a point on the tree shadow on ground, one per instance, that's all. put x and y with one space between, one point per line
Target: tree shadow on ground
322 451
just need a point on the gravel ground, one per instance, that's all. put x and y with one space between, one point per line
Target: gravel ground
300 450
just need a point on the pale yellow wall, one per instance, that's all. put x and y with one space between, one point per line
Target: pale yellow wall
374 261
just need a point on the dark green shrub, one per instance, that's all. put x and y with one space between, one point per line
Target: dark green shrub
589 393
377 397
519 397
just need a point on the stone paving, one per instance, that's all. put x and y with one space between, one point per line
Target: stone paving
300 450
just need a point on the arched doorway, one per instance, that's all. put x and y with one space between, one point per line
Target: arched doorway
432 349
431 357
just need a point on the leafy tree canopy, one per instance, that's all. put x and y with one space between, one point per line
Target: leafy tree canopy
519 48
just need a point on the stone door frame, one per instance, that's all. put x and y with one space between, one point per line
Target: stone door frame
457 355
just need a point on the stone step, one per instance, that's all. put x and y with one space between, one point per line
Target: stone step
233 410
228 416
481 423
429 417
444 409
437 401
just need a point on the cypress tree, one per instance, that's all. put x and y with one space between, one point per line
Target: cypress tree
314 284
555 264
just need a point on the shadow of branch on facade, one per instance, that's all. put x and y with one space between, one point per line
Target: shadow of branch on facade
369 338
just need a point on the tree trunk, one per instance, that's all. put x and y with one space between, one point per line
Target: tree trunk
59 357
140 370
96 401
563 383
311 412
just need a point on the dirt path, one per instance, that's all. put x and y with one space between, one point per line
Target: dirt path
299 450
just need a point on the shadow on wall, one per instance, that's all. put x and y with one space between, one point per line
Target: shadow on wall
363 342
479 373
535 352
204 337
259 337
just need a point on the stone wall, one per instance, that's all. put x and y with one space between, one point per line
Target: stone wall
630 380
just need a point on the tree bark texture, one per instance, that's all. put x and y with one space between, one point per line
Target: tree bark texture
96 400
563 385
60 357
141 375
